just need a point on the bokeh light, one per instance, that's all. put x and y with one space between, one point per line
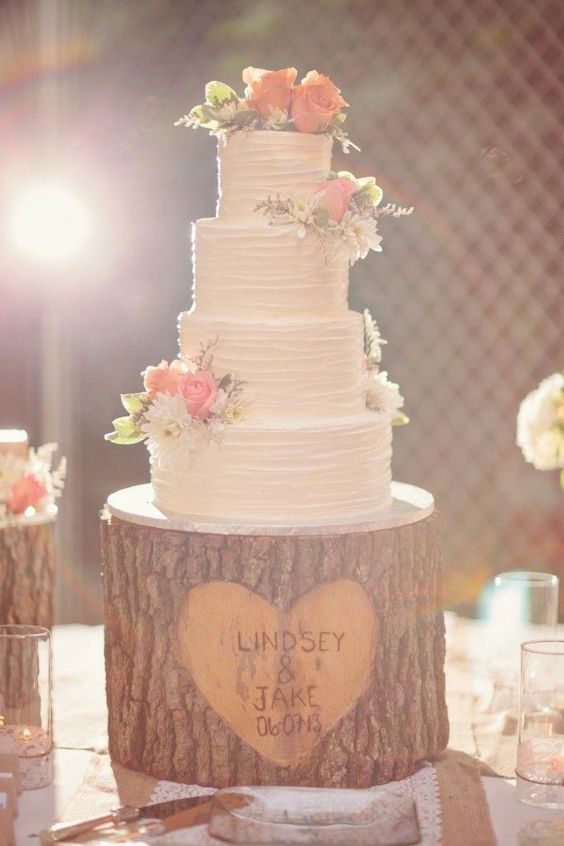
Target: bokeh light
49 222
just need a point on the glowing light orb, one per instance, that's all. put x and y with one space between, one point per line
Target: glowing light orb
49 222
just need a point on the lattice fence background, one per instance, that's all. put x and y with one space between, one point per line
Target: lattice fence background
457 107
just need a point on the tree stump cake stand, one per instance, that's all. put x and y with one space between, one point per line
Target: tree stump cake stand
27 570
246 655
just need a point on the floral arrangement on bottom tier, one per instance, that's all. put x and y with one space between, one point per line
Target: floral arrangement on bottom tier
30 486
381 394
540 425
180 407
342 212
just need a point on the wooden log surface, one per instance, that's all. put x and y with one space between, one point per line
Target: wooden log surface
27 574
311 660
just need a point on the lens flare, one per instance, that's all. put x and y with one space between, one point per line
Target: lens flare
49 222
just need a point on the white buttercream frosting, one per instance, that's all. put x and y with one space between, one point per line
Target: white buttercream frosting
253 165
252 269
292 472
291 368
307 450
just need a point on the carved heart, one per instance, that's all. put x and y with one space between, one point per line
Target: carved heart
280 681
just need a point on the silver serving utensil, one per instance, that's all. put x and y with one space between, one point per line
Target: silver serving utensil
61 832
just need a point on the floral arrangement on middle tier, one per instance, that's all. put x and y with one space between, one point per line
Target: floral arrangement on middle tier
342 212
180 406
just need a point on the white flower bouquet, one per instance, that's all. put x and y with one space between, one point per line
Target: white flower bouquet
540 425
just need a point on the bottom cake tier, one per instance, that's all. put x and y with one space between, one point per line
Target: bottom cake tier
302 473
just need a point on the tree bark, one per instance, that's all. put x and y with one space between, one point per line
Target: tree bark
27 574
160 606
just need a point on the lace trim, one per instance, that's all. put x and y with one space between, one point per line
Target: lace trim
423 787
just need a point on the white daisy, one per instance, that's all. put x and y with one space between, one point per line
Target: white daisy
168 428
277 119
383 395
365 232
302 214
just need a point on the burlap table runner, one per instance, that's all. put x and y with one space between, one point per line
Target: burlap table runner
464 808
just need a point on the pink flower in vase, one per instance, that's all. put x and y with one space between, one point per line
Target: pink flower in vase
161 380
335 195
200 391
25 493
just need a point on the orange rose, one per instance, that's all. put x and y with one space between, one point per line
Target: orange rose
314 102
268 90
161 380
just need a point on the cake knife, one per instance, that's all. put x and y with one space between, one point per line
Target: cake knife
61 832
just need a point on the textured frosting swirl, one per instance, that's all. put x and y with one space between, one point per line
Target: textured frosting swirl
250 270
292 368
254 165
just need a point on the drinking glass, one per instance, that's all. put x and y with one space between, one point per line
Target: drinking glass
523 606
540 754
25 701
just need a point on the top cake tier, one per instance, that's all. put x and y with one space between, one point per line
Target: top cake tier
254 165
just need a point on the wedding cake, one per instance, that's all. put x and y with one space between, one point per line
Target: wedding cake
276 411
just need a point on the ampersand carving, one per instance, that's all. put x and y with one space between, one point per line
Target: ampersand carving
289 676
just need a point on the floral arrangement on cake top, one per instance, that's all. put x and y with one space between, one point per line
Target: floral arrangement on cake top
179 406
343 212
381 394
272 101
30 486
540 425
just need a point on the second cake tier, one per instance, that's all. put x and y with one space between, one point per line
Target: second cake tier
291 369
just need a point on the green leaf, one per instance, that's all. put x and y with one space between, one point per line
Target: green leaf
321 216
218 93
196 114
345 174
126 432
225 382
367 187
132 402
244 117
400 419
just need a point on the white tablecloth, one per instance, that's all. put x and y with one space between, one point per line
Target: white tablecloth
79 721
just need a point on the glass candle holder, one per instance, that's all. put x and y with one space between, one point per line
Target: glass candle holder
540 754
523 606
25 701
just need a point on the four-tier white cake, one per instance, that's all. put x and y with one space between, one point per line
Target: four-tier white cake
276 412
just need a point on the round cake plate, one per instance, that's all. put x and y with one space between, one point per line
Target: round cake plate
135 505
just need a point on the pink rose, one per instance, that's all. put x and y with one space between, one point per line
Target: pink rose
199 390
267 90
334 195
25 493
161 380
315 102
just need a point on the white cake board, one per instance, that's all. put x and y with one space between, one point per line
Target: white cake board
135 505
